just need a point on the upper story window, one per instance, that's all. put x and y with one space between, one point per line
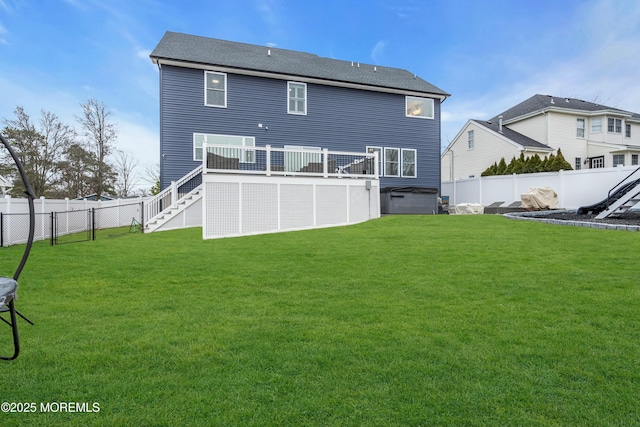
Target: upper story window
419 107
470 141
409 163
215 89
297 98
614 125
596 125
627 130
580 128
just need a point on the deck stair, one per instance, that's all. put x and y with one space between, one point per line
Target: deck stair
161 212
164 217
174 210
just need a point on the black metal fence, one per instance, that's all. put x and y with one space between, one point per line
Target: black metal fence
70 226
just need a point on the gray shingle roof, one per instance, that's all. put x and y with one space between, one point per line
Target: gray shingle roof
202 50
514 136
538 103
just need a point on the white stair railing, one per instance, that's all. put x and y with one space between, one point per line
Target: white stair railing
168 197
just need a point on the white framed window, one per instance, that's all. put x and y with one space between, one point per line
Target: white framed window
618 160
614 125
379 151
297 98
597 162
392 161
627 130
419 107
596 125
580 125
215 89
409 157
634 159
245 156
470 141
577 165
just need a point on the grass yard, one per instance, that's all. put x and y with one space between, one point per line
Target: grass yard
400 321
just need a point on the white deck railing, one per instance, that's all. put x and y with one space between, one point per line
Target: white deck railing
291 161
170 195
296 161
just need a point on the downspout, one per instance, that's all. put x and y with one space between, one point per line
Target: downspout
162 156
546 136
451 169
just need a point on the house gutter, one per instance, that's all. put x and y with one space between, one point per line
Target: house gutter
271 75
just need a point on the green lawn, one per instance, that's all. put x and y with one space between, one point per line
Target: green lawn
400 321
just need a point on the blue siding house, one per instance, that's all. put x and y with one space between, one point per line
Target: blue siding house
223 92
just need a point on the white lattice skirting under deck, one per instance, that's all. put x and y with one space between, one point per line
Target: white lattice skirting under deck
236 205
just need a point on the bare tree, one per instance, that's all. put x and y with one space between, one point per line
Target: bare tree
152 177
125 165
100 136
40 150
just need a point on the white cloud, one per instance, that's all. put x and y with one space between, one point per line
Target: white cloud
378 51
266 11
137 138
143 54
603 68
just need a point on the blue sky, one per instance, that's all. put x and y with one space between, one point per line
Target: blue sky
489 55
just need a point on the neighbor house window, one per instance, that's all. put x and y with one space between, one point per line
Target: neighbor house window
634 159
580 128
419 107
215 89
597 162
245 156
297 98
578 164
391 161
627 130
596 125
470 142
408 162
618 160
379 151
614 125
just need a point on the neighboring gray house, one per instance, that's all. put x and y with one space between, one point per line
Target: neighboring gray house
224 92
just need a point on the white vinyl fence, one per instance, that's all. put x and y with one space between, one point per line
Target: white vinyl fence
574 188
72 216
